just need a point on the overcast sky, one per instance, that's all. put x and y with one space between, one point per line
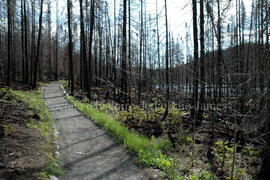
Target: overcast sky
179 11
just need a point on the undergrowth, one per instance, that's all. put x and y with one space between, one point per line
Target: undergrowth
149 150
44 126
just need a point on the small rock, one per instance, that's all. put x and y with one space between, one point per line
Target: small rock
80 153
57 154
53 178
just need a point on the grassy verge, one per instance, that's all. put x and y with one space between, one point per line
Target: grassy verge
44 126
149 151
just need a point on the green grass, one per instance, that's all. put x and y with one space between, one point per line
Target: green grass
44 126
35 102
149 151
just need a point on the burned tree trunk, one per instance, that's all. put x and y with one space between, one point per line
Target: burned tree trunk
196 57
9 41
38 45
124 57
70 48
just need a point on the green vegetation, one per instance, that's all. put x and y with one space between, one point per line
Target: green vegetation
53 168
251 151
185 139
44 126
8 129
147 120
35 103
223 156
203 175
148 150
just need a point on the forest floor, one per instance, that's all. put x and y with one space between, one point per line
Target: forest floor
87 151
25 150
195 155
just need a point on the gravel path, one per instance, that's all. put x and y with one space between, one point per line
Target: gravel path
86 150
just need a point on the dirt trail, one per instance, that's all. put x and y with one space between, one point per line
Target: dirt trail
86 150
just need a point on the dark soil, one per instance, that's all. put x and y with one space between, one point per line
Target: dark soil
17 86
21 156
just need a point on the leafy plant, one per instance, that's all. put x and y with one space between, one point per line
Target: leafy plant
251 151
224 158
149 151
53 168
185 139
206 175
222 153
201 175
156 159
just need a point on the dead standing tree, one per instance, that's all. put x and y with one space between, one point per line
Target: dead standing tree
70 46
124 88
38 45
196 57
9 41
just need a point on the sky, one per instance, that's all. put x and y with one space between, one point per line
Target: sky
179 13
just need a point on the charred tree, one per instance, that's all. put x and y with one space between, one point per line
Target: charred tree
196 57
70 48
9 41
38 45
83 50
124 57
202 61
26 44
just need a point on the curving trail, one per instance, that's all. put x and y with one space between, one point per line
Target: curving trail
86 150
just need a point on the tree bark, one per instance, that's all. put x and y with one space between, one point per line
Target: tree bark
9 41
56 43
141 55
83 50
26 44
202 62
33 49
90 46
70 47
38 45
124 56
196 57
219 73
